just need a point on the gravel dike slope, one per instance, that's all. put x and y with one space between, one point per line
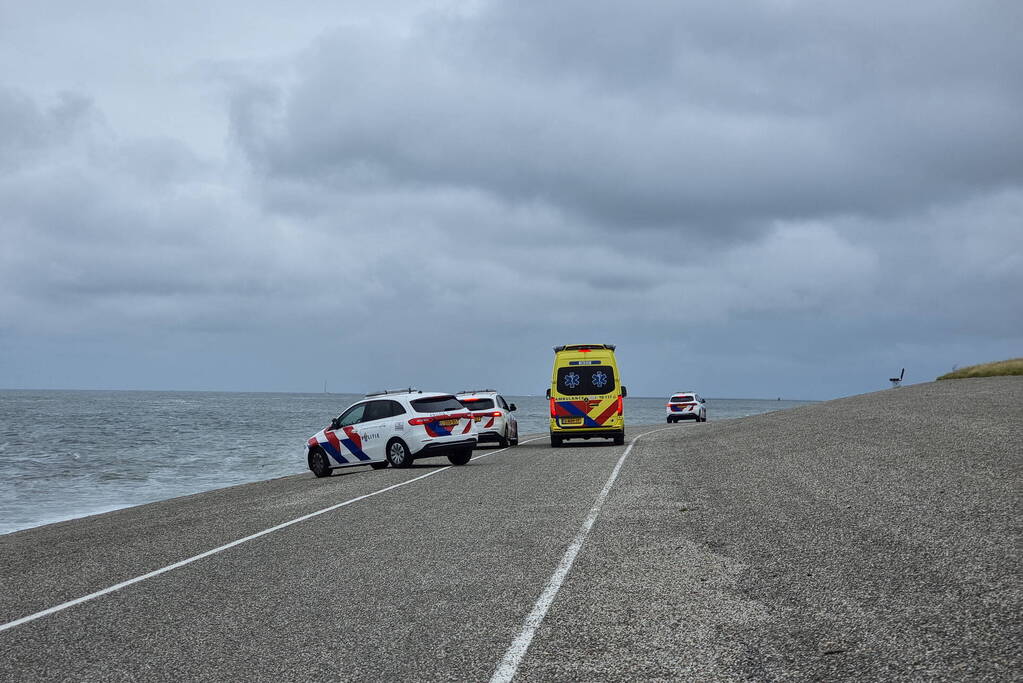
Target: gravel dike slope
875 537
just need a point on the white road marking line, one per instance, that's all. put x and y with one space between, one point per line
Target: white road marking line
226 546
509 666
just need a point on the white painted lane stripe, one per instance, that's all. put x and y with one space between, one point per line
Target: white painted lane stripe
509 666
226 546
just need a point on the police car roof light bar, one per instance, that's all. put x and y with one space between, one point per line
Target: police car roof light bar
384 392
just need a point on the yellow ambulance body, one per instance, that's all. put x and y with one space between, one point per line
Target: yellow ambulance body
586 394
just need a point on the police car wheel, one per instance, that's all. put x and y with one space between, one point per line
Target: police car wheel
502 441
460 457
670 420
398 455
318 463
378 465
514 441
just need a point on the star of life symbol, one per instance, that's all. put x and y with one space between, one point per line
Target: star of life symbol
571 380
599 379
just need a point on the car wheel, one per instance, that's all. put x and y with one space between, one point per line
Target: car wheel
318 463
670 420
556 441
619 439
398 455
378 465
502 441
460 457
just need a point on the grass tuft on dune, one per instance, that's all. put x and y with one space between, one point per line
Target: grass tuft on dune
1013 366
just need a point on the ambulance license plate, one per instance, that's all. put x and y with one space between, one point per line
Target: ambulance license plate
571 421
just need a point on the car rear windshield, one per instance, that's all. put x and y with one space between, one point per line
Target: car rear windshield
586 380
681 399
436 404
478 403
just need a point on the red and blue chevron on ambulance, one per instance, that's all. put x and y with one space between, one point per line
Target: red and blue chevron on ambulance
394 427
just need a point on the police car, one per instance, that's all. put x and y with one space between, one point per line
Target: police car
394 427
686 405
492 415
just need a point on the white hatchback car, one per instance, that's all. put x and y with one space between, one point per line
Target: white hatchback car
686 405
394 427
492 415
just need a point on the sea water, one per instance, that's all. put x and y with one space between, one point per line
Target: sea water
67 454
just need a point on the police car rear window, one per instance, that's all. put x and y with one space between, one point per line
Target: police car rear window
586 380
478 403
681 399
436 404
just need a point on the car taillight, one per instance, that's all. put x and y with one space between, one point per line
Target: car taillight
438 418
496 413
553 412
620 405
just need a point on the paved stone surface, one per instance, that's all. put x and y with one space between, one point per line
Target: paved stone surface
874 537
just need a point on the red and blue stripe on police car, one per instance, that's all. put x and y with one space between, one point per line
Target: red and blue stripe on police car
332 445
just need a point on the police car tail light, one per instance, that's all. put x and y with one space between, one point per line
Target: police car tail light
438 418
495 413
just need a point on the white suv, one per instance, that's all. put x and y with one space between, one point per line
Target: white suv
492 415
686 405
394 427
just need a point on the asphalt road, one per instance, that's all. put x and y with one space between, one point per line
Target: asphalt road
874 537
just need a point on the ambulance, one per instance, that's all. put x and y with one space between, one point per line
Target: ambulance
586 394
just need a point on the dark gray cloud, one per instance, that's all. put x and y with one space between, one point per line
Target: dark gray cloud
774 199
680 117
27 130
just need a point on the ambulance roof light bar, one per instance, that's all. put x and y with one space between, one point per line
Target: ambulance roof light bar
583 347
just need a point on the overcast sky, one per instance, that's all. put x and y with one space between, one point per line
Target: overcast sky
763 199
